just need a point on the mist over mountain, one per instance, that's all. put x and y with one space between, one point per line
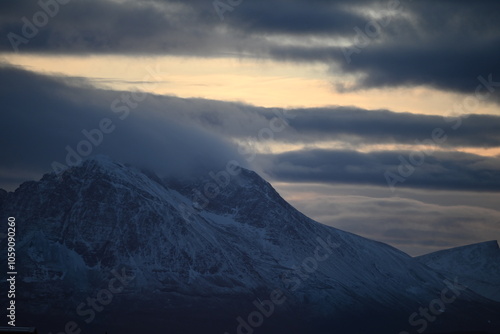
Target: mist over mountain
106 246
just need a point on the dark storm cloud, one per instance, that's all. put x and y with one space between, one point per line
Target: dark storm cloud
443 44
113 27
353 125
294 17
169 26
447 66
441 170
382 126
43 119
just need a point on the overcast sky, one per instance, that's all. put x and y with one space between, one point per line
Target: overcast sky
376 117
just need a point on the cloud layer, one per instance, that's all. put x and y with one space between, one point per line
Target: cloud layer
445 44
441 170
357 126
416 222
173 134
46 120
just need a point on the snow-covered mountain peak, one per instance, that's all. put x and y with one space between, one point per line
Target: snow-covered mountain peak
97 164
212 243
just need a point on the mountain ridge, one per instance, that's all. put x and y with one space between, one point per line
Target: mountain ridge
477 265
245 243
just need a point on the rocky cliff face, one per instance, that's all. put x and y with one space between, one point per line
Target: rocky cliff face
204 253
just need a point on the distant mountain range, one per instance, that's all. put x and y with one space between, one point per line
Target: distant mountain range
477 266
107 247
